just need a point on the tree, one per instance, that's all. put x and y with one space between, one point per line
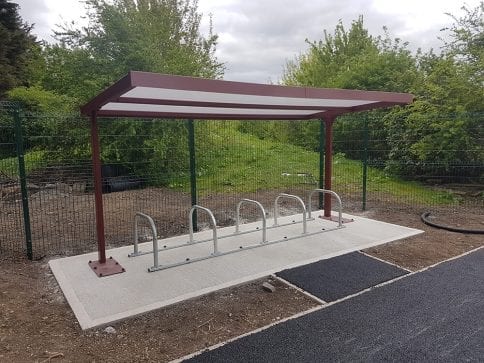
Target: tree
440 133
352 59
427 141
17 48
466 46
75 72
146 35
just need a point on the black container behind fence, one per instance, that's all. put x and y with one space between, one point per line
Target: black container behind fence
116 178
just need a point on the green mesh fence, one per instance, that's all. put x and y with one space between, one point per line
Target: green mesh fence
12 231
146 167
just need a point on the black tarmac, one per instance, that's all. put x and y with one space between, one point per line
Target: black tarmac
434 315
341 276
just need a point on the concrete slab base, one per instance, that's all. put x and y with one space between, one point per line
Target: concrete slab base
100 301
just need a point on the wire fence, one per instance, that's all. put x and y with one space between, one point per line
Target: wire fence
46 182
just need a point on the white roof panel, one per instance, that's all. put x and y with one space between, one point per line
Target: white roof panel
152 93
166 96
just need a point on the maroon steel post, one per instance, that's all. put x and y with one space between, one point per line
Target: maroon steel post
328 163
98 193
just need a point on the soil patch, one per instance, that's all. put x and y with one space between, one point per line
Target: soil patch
435 244
36 322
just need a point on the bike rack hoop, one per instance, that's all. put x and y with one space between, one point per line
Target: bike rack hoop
261 208
290 196
136 251
326 191
214 226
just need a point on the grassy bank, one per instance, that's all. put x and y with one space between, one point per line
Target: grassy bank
229 161
238 162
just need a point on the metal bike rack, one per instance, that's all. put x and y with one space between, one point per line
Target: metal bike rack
137 252
156 266
215 252
214 226
261 208
137 217
326 191
290 196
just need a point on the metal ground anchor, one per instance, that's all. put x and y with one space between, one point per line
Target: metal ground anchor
108 268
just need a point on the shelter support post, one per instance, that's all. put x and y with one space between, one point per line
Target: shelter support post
321 162
193 174
102 267
365 160
328 163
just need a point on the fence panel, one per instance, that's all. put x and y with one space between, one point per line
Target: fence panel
404 181
63 219
146 168
12 231
237 160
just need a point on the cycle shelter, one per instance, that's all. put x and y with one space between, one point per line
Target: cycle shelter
159 96
145 276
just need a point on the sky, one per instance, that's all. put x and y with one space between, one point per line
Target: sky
258 37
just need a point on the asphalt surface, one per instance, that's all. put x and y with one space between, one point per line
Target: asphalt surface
434 315
341 276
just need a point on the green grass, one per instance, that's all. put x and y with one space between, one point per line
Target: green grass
237 162
243 163
32 159
229 161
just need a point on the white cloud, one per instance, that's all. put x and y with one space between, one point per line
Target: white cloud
47 14
35 13
257 37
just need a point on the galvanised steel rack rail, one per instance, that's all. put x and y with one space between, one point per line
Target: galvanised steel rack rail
216 238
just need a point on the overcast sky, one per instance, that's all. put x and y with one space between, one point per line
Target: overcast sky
257 37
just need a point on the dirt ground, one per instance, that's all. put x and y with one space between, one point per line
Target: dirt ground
37 325
434 245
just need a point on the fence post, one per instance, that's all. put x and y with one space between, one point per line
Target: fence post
365 158
193 174
23 180
321 161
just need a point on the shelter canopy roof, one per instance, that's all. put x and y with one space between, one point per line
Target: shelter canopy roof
143 94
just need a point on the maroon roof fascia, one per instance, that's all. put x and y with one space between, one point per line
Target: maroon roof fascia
112 92
155 80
